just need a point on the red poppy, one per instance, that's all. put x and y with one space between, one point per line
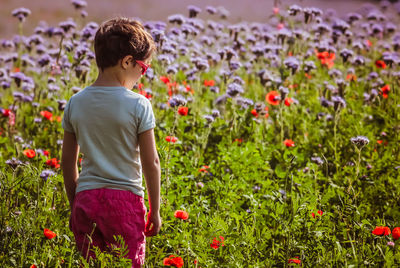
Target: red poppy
164 79
140 85
308 75
351 77
385 91
239 141
294 260
273 97
46 114
173 261
280 26
171 139
381 230
144 93
275 10
368 43
320 212
53 162
254 112
288 101
288 143
380 64
204 169
46 153
29 153
183 110
209 83
326 58
396 233
6 112
49 234
33 266
180 214
217 243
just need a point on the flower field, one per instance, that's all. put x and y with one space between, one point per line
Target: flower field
278 140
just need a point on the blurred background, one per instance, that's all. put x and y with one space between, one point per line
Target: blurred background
55 11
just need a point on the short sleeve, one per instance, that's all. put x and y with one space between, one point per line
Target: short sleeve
66 124
146 116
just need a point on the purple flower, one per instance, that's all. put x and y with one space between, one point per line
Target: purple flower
79 4
234 89
177 100
193 11
221 99
18 77
21 13
294 9
209 118
13 162
177 18
46 174
360 141
211 10
67 25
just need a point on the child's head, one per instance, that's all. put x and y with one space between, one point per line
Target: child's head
121 37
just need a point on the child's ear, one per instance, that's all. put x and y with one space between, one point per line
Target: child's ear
126 61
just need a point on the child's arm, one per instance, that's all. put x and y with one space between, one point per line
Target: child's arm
152 174
70 151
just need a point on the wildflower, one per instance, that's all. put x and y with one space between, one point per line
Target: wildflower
396 233
46 174
33 266
204 169
380 64
360 141
193 11
46 114
53 162
381 230
180 214
21 13
288 143
79 4
294 260
209 83
320 212
29 153
254 112
164 79
13 162
217 243
200 185
385 91
288 101
183 110
49 234
273 97
326 58
171 139
173 261
390 244
351 77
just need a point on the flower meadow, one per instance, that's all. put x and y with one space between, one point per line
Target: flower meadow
278 140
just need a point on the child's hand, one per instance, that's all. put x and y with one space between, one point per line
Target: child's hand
153 224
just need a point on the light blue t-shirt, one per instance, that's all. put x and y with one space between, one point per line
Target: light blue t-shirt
106 122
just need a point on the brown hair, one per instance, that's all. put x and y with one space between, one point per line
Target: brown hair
119 37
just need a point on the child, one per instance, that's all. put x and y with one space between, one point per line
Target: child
113 128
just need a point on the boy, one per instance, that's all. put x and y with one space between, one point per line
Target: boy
113 128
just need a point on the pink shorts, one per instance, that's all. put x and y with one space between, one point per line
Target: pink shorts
114 212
